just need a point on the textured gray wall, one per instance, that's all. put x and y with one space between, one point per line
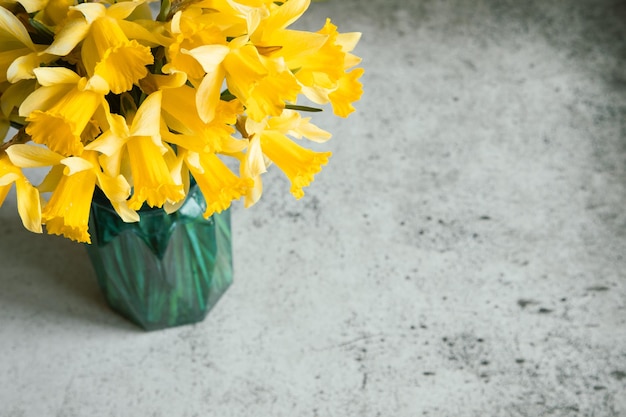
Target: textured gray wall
463 254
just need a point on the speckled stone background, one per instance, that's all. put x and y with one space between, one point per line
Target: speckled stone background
462 255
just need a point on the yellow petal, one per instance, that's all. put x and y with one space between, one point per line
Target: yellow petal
67 212
312 132
124 65
139 31
12 29
255 160
348 41
252 14
348 91
23 67
8 178
91 11
123 9
291 123
217 183
7 57
97 84
70 35
51 180
209 56
153 182
154 82
182 177
32 6
127 214
147 121
28 205
60 127
261 84
190 142
180 105
114 164
286 14
4 190
116 188
208 95
43 98
55 12
30 156
50 76
107 143
75 164
15 95
295 45
298 163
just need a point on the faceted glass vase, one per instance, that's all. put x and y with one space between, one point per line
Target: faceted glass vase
165 270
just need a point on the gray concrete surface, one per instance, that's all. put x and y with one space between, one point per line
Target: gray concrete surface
462 255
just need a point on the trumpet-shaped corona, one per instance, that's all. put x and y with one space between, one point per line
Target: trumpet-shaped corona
217 182
107 52
152 180
63 126
299 164
67 212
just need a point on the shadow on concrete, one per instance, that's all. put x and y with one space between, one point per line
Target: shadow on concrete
51 276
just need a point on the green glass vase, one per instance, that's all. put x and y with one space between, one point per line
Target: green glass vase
165 270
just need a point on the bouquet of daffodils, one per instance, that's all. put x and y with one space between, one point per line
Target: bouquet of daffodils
102 94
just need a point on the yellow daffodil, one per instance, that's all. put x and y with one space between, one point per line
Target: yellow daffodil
216 181
72 181
270 140
153 182
348 90
323 75
67 212
181 115
106 50
262 85
190 31
141 143
28 201
60 113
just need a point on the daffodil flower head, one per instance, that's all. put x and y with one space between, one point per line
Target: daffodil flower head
28 200
264 86
269 139
217 182
64 126
67 212
190 31
108 53
153 183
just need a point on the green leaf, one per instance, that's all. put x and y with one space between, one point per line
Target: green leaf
302 108
165 10
43 34
227 96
